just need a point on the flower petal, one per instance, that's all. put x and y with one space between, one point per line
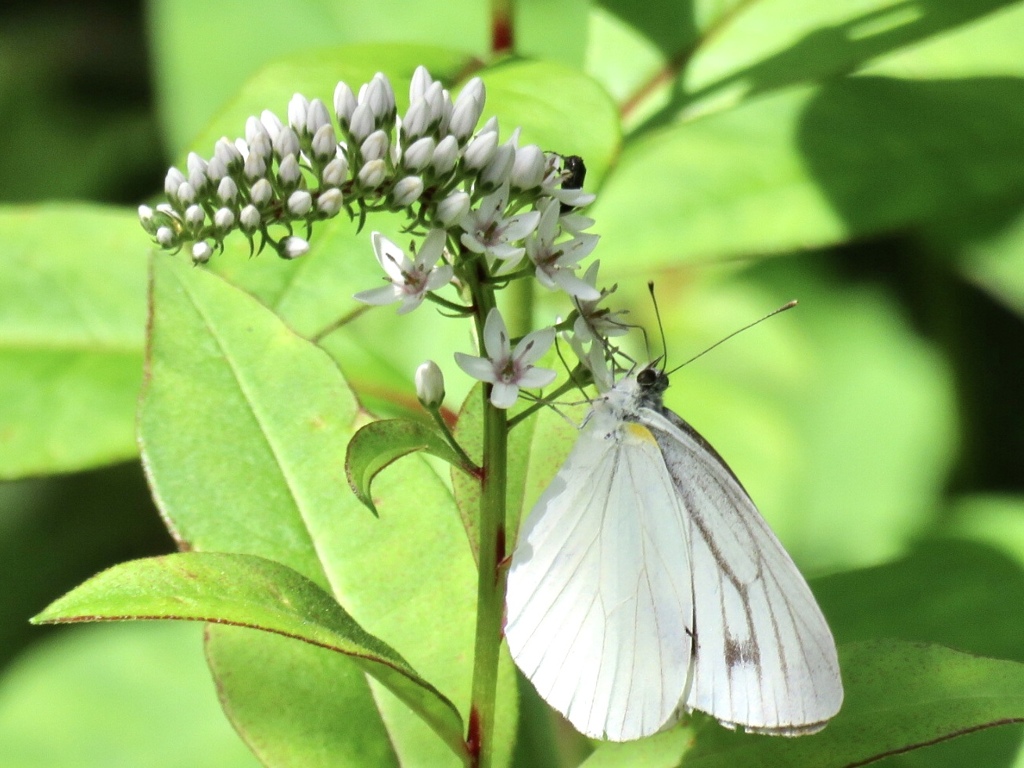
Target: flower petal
533 346
504 395
521 225
537 377
379 296
479 368
496 340
572 285
439 277
431 249
391 258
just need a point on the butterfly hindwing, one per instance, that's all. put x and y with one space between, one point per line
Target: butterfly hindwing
765 657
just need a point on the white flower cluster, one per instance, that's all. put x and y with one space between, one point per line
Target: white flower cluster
478 203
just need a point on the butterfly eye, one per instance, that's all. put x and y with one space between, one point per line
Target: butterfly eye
647 378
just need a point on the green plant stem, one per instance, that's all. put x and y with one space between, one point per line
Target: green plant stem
490 606
490 584
468 465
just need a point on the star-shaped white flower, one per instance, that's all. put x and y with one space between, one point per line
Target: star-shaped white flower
408 281
488 232
505 369
556 263
595 323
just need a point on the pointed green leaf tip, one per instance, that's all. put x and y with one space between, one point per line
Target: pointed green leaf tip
250 591
380 443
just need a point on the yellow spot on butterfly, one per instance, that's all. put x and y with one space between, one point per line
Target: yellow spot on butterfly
639 431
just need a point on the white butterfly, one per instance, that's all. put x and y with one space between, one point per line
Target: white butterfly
645 583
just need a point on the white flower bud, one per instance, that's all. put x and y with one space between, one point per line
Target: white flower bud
186 193
261 192
430 385
172 181
375 147
254 127
446 155
453 208
201 252
435 104
464 117
216 170
146 219
446 113
224 219
528 167
329 202
421 80
336 172
377 94
289 172
272 123
496 172
419 153
228 153
300 202
344 103
317 117
491 126
165 208
249 218
480 150
372 174
406 191
198 181
255 167
195 163
195 216
298 107
361 123
286 143
293 247
165 237
262 146
474 89
227 190
416 119
325 143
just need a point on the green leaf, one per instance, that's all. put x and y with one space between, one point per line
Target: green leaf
116 695
536 449
72 314
770 46
244 427
810 167
257 593
379 443
186 53
898 696
273 691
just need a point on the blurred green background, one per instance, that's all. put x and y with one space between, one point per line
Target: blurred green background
879 426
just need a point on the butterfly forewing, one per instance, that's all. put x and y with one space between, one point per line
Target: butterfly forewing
764 657
599 592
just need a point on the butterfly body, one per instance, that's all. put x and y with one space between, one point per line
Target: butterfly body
645 583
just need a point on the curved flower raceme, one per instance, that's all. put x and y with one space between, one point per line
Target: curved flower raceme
504 368
409 281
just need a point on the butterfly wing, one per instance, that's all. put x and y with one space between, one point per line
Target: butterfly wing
599 595
764 655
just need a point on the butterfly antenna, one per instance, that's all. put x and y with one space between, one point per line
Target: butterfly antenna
661 327
774 312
